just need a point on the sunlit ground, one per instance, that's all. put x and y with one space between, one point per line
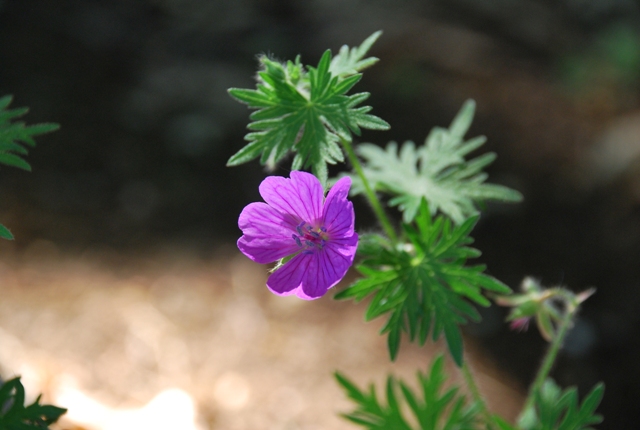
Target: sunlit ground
177 341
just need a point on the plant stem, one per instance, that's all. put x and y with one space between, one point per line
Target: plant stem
550 357
371 196
475 393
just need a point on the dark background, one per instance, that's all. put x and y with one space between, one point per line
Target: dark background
139 88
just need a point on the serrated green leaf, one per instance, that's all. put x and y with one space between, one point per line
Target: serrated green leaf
13 137
350 61
436 171
424 287
555 409
461 123
5 233
393 340
42 128
431 408
305 111
251 97
14 161
454 342
5 101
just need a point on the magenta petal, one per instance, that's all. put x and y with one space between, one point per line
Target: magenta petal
345 247
327 268
302 195
266 233
288 278
338 214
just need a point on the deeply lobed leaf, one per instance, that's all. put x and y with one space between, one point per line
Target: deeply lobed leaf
431 408
306 111
350 61
424 286
436 171
14 137
555 409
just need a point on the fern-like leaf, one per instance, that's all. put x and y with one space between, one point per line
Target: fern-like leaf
424 286
555 409
436 171
14 136
305 110
14 139
431 408
350 61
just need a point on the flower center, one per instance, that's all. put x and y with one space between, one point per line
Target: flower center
310 238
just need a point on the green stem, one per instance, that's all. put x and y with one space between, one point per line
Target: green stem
371 196
475 394
550 357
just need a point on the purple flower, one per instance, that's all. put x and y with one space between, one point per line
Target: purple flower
298 221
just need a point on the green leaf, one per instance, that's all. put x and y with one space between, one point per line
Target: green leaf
350 61
306 111
436 171
14 160
5 233
15 416
431 408
502 424
424 287
13 138
555 409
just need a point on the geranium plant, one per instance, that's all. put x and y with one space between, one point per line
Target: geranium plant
417 275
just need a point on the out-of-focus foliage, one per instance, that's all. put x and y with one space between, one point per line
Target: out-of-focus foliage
14 415
611 62
555 409
432 408
14 138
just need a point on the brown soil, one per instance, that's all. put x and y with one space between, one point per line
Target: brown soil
122 328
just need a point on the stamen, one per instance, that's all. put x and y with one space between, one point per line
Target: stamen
314 234
323 229
297 239
309 243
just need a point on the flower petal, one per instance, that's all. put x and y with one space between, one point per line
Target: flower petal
338 215
266 233
328 267
288 278
302 195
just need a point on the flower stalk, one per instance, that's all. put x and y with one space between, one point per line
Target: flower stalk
565 322
469 379
371 196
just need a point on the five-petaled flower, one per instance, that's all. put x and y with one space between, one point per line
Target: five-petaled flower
298 222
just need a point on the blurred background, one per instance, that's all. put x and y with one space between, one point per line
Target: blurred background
126 226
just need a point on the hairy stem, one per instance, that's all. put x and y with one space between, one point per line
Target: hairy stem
371 196
552 354
475 394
